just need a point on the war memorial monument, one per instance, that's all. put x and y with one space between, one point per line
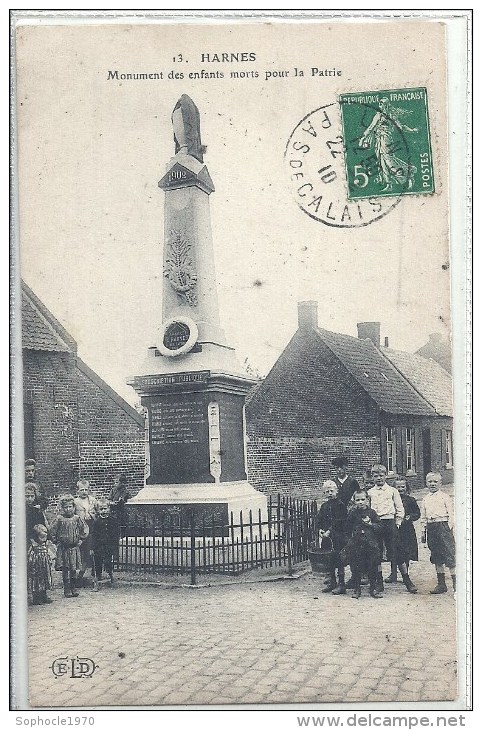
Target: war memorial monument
190 385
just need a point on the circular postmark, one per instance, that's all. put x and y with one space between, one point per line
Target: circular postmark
178 336
316 154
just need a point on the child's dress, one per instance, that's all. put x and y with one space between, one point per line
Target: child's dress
39 569
407 539
66 532
85 508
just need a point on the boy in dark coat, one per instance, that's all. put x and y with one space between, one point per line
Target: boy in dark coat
331 524
104 543
362 549
346 485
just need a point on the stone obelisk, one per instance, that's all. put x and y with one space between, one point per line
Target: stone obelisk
191 386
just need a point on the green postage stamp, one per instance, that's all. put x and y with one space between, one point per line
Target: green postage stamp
387 143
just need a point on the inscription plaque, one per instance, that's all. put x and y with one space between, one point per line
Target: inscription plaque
179 438
176 335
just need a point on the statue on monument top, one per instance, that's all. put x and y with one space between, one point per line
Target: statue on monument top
186 127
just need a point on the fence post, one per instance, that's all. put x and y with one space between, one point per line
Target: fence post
287 516
193 548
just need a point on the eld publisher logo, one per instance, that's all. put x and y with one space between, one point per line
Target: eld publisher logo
74 667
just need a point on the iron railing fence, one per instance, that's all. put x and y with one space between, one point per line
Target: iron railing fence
186 543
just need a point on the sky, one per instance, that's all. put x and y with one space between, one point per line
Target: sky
92 150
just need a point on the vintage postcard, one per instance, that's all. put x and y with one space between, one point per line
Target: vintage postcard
240 476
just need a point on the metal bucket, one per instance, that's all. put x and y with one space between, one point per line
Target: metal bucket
322 558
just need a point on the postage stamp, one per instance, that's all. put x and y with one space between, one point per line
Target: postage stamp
387 143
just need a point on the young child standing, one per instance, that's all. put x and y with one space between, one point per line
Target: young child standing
437 524
67 531
387 503
85 504
408 546
104 543
362 549
331 524
33 513
39 570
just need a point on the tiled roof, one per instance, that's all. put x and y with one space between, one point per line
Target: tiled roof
430 379
40 329
376 374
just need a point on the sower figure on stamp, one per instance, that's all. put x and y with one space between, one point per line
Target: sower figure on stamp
380 134
331 523
104 542
387 503
437 524
67 531
363 549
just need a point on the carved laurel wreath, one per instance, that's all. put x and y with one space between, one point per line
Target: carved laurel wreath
179 267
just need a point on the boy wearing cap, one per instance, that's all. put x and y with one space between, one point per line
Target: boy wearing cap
331 524
346 485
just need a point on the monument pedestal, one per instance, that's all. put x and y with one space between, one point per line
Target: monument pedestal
195 447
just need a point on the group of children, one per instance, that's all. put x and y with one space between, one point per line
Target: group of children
360 526
84 534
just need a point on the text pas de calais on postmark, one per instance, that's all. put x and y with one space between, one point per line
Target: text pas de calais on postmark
315 158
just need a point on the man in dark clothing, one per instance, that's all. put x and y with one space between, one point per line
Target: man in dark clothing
346 485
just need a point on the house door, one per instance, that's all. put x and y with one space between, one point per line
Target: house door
427 451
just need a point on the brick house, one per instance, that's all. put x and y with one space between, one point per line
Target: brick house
330 394
75 425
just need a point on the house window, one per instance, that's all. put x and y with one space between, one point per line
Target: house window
410 452
391 452
449 462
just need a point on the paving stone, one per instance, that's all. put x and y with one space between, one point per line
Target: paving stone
245 644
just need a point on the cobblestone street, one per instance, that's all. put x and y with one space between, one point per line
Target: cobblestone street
278 642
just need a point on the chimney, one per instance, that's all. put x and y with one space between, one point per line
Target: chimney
369 331
386 341
307 315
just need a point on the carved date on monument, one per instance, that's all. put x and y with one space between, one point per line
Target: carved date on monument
175 423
